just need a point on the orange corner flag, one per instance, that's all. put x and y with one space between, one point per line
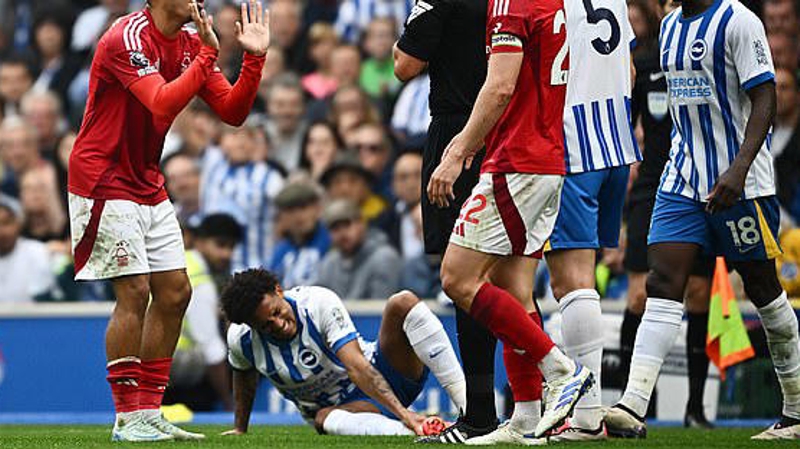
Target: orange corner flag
727 342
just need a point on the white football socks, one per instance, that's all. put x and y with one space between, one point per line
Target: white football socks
582 334
556 364
526 416
431 344
661 324
341 422
780 325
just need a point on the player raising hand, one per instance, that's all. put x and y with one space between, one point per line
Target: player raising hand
147 68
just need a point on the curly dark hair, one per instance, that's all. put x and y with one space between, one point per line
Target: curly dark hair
245 291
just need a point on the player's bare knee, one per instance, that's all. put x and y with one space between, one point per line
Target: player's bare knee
760 281
175 297
661 283
132 294
401 303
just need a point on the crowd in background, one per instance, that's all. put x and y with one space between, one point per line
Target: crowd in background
324 176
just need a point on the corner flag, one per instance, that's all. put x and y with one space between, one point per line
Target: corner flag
727 342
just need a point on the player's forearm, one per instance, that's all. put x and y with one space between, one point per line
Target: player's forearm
233 103
762 113
492 101
167 99
244 392
372 382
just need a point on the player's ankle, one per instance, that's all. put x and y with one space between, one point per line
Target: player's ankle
556 364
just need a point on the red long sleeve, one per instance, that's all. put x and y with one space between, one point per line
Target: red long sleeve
167 99
233 103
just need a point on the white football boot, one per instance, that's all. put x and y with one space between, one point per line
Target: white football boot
132 428
506 434
785 429
561 397
156 419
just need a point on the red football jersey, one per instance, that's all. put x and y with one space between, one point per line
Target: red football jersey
118 149
529 136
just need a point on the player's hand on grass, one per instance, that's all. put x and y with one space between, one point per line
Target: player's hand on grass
252 31
233 432
727 190
204 24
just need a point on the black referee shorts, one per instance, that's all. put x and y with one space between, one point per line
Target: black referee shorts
437 224
640 211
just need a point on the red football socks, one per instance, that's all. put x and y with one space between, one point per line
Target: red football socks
505 317
124 375
524 376
155 377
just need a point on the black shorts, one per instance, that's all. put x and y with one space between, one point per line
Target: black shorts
437 223
639 213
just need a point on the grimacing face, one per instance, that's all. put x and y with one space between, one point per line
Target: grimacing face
275 317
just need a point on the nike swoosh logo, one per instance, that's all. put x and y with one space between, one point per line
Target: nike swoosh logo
656 76
435 353
520 351
747 250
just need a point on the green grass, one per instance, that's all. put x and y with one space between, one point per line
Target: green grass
262 437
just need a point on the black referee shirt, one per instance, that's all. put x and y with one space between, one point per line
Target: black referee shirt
450 36
650 103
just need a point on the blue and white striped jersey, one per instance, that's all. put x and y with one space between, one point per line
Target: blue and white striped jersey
245 191
597 112
411 116
304 369
354 16
710 62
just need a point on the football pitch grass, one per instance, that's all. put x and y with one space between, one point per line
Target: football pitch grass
302 437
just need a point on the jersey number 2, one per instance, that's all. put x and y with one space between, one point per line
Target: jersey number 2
558 76
595 16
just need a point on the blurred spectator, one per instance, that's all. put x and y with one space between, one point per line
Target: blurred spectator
420 275
786 142
197 128
348 179
200 358
350 108
375 154
346 65
229 59
355 15
57 67
63 150
299 254
18 151
644 19
285 125
398 221
236 181
15 79
44 211
42 109
361 263
182 175
25 268
784 51
273 66
411 119
322 41
287 34
321 147
92 22
780 16
377 71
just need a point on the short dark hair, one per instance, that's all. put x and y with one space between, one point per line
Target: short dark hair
245 291
221 226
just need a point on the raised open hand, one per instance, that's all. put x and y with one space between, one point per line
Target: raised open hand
252 31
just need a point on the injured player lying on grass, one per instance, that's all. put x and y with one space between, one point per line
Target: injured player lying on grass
304 342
